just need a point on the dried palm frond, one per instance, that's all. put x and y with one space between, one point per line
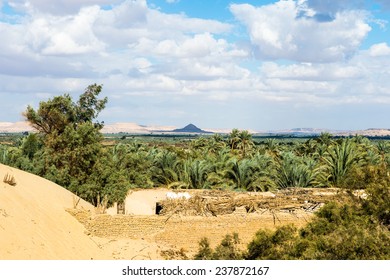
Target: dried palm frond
9 179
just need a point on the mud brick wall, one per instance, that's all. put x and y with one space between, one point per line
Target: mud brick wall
120 226
81 215
124 226
184 231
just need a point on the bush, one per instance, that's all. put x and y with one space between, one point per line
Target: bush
272 245
226 250
338 232
205 252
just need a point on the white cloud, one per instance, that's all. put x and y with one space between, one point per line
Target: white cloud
363 79
277 31
59 7
381 49
41 35
312 72
133 23
128 14
93 38
70 35
200 46
149 61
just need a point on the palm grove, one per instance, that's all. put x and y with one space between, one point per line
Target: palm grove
68 149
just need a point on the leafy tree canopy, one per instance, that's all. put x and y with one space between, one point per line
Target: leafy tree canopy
72 142
57 113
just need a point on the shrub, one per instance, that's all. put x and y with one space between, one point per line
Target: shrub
226 250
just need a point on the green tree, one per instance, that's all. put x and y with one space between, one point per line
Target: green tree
71 137
294 171
272 245
325 138
244 174
205 251
226 250
166 169
245 142
30 145
196 172
57 113
234 139
216 144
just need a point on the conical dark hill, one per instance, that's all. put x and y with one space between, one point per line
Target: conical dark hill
191 128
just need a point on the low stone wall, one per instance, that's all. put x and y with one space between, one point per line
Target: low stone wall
119 226
124 226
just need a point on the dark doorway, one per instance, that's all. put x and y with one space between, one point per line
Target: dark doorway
120 208
159 208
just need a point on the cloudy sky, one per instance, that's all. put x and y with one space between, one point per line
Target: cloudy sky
250 64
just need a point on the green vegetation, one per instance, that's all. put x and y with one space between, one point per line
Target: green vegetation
226 250
69 149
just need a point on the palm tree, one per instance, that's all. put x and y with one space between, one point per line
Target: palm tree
372 157
294 171
325 138
340 159
383 148
215 144
250 174
196 172
234 138
219 164
272 146
118 153
265 172
199 143
166 168
240 173
245 142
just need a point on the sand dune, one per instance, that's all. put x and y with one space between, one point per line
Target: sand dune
34 224
134 128
14 127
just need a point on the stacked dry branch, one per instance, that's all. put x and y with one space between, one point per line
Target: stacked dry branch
214 203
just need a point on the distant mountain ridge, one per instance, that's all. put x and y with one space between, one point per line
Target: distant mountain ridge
133 128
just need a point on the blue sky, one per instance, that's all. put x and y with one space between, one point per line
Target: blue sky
256 65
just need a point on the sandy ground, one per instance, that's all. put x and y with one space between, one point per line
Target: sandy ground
34 224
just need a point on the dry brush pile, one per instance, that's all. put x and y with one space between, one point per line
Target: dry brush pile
216 203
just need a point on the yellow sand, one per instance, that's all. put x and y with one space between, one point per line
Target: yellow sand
34 224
